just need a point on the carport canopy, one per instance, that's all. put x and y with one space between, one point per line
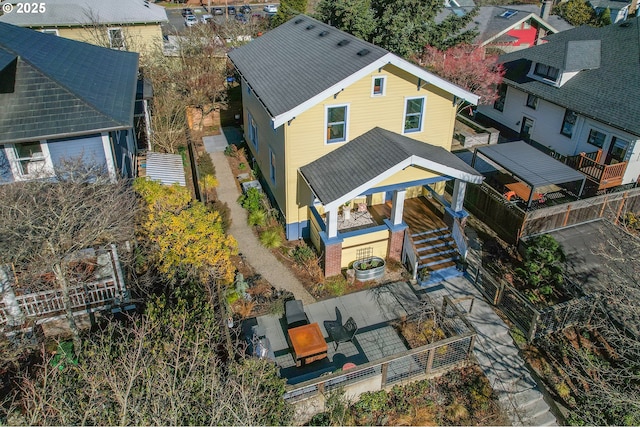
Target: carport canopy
529 165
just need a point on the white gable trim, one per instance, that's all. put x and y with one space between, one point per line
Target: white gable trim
410 161
389 58
533 16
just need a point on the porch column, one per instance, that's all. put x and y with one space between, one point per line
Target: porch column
457 199
332 223
397 206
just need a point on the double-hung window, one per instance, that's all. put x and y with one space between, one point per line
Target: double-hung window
618 150
379 86
253 132
116 38
596 138
336 123
568 123
272 166
29 157
532 101
413 114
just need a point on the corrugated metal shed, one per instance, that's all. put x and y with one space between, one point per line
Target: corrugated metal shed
165 168
529 164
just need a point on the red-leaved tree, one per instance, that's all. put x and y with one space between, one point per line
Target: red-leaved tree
468 66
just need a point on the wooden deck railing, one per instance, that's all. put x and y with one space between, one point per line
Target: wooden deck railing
606 176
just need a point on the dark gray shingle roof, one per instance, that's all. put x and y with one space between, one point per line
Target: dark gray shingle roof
64 87
609 94
293 62
367 157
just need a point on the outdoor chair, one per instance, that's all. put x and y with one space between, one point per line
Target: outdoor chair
361 211
294 314
342 333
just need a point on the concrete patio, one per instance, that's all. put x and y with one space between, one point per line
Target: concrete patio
372 310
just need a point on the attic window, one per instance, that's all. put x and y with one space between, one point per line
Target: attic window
508 14
363 52
343 42
310 27
297 21
323 33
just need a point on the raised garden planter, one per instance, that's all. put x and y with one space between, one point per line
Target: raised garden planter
369 268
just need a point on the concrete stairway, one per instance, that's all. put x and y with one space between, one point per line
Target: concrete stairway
498 356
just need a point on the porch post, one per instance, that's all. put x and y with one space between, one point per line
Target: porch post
15 317
397 206
332 222
457 199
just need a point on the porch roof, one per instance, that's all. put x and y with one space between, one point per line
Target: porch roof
373 157
529 164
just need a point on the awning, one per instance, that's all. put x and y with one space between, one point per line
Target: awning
530 165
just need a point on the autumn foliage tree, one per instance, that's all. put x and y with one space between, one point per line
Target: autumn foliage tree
468 66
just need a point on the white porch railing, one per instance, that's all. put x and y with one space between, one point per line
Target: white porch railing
457 233
40 306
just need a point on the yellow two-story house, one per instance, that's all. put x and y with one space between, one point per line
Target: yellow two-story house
133 25
353 143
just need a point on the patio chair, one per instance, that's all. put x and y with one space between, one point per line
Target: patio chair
342 333
294 314
361 211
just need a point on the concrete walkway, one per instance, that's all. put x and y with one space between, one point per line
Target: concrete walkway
260 258
495 351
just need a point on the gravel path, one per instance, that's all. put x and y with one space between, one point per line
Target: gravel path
260 258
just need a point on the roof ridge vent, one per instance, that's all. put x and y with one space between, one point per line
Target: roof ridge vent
310 27
297 21
323 33
364 52
343 42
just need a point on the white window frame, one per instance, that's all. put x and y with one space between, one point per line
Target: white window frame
109 30
384 86
422 114
573 125
253 131
41 163
533 73
533 105
346 124
53 31
272 166
604 140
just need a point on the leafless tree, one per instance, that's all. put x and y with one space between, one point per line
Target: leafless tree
46 222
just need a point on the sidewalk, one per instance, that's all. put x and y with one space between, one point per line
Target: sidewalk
260 258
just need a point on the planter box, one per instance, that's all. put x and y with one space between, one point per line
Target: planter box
369 273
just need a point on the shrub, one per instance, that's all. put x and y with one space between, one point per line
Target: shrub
303 253
271 239
205 165
336 285
456 412
224 211
257 218
251 200
543 264
371 402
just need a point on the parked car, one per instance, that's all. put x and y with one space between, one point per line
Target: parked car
231 10
205 19
187 11
241 17
218 11
245 8
271 9
190 20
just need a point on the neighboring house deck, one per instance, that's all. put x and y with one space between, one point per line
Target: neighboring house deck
559 97
30 303
64 101
333 123
133 25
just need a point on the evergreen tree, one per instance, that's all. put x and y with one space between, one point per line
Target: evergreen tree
287 10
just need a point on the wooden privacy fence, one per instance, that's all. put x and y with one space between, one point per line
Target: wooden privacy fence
534 323
512 223
437 357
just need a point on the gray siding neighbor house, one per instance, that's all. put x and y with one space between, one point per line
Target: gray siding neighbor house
63 100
